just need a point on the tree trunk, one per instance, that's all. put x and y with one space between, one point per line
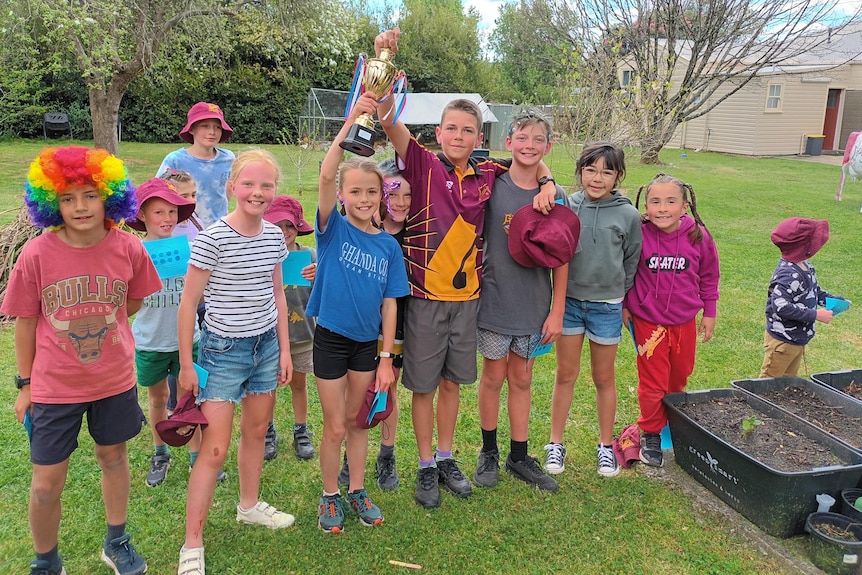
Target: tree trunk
649 154
104 110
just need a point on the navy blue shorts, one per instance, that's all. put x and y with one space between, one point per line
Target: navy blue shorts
112 420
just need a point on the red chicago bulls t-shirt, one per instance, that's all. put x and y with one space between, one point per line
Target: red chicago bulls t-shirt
84 345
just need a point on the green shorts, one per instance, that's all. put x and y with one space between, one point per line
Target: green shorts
154 366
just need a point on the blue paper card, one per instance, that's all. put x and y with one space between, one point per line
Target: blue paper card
203 375
292 266
542 349
837 305
170 256
378 405
28 424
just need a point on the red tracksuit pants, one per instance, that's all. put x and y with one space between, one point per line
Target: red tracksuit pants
665 360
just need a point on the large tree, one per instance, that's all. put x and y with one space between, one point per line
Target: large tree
439 47
686 56
112 42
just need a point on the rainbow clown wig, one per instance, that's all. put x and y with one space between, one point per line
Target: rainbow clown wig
57 168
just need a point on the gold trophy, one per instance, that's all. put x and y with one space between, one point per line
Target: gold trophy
379 76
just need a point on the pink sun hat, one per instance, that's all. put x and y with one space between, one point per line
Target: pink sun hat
205 111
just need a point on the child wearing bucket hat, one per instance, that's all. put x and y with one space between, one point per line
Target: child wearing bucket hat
208 165
793 296
286 213
161 208
520 308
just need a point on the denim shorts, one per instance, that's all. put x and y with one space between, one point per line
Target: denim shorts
601 321
238 366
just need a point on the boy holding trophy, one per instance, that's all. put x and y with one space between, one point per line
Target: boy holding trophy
447 213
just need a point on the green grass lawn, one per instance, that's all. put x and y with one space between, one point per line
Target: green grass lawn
630 524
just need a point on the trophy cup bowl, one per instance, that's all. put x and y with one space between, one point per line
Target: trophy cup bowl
378 77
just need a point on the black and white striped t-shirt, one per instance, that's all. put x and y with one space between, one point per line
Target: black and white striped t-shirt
239 294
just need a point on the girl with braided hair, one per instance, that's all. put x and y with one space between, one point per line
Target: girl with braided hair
676 278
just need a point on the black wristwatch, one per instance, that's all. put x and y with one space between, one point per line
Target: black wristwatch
21 381
545 179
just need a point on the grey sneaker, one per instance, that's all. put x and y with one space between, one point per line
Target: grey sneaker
608 466
302 445
651 449
270 447
344 474
159 464
427 492
555 460
41 567
387 474
119 555
452 479
529 472
369 514
487 469
330 514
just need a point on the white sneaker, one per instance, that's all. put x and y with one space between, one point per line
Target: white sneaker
608 466
264 514
555 460
191 561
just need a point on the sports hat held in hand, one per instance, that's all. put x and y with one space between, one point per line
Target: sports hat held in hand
539 241
180 427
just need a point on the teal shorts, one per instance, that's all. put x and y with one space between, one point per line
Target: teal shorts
154 366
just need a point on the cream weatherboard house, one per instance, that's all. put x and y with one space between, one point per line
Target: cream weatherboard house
817 94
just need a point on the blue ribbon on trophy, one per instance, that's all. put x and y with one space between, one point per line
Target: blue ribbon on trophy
379 76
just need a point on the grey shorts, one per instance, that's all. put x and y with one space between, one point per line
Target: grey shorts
493 345
303 361
439 341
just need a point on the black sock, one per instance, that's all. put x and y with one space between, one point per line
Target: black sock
489 440
519 450
386 451
115 531
52 557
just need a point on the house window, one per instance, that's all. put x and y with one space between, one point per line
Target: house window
774 97
628 76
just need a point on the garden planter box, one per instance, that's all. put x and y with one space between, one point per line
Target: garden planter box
776 501
830 410
840 380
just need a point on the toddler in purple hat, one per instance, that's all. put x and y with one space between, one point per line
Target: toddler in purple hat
793 296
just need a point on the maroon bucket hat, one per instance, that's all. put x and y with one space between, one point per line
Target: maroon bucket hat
165 190
539 241
285 208
800 238
205 111
177 430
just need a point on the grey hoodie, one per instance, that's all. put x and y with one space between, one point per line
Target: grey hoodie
604 266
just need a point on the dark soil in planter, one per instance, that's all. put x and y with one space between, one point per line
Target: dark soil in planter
807 405
774 443
836 532
854 389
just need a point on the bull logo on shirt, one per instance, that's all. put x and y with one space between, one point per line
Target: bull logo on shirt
87 333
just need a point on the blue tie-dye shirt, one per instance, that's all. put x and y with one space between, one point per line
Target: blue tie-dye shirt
210 176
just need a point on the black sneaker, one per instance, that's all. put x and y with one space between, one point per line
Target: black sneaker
487 469
387 474
159 464
427 491
529 472
344 474
651 449
302 445
270 448
42 567
119 555
452 479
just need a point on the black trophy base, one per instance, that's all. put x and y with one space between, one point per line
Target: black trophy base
359 140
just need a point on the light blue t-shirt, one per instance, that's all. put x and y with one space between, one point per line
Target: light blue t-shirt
155 324
211 178
355 272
